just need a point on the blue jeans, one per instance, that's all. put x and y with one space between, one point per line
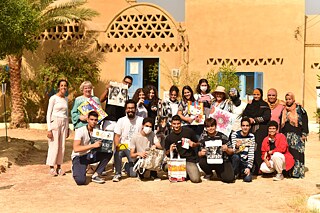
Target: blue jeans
80 163
118 155
239 167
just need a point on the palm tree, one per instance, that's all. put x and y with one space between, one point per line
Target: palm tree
46 14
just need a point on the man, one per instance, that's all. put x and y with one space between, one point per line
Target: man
275 105
124 130
114 112
243 143
82 154
143 140
215 157
275 153
174 143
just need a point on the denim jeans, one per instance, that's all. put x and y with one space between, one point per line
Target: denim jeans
239 168
118 155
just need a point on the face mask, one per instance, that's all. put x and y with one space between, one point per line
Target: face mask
203 88
147 130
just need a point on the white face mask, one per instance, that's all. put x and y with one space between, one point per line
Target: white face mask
203 88
147 130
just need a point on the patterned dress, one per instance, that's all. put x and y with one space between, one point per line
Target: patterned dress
296 144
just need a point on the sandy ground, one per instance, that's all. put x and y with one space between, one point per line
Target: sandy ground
27 187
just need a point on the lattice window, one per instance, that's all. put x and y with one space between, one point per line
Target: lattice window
108 48
244 61
315 66
141 26
67 31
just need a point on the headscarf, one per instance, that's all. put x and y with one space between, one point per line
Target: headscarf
289 113
276 103
253 110
236 98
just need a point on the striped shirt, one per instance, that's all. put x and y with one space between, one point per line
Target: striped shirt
246 150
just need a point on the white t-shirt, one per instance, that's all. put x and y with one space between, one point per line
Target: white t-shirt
57 107
237 112
126 127
81 134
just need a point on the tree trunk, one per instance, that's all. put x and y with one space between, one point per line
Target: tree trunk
17 114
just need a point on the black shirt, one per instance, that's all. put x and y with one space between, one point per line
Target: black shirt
191 153
114 112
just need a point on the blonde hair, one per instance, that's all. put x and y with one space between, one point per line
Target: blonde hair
85 83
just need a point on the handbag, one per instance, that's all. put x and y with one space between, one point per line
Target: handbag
152 162
177 171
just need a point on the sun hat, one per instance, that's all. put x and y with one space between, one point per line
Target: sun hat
220 89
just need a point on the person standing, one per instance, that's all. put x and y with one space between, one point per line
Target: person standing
259 113
294 125
237 108
276 105
58 128
79 120
114 112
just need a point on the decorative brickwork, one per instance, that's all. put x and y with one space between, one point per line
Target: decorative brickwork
244 61
68 31
315 66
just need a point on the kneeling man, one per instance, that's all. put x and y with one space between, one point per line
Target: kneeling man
82 155
275 153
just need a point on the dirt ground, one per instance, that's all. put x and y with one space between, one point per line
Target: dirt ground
27 187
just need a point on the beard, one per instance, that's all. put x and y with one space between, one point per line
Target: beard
130 114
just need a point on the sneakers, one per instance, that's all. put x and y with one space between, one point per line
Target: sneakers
53 173
116 178
207 177
278 177
97 179
60 172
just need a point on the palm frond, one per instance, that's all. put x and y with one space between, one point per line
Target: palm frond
62 4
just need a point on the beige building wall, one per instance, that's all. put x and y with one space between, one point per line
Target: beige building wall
261 34
312 63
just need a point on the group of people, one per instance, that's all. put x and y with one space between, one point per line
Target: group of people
268 136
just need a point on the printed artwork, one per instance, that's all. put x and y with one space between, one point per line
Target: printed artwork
195 110
106 137
177 171
245 142
224 120
118 94
92 105
214 151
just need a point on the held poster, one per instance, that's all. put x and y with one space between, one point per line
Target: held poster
118 94
214 152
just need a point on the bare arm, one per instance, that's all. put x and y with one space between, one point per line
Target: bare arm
104 95
116 140
77 147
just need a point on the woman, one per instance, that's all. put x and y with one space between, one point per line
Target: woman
237 108
152 103
79 120
294 125
183 112
58 128
170 106
220 99
259 113
139 97
203 93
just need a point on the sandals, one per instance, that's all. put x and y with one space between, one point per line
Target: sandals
60 172
53 173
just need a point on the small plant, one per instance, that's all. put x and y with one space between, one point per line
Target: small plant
226 77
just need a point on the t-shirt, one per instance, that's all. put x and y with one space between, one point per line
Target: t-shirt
114 112
57 107
126 127
246 152
237 112
219 136
81 134
140 143
191 153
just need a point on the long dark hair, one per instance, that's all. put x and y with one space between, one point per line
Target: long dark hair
155 99
136 94
191 91
203 80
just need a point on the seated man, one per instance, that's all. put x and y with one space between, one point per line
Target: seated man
243 143
173 143
82 155
143 140
275 153
124 130
217 159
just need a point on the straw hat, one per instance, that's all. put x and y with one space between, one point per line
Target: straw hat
220 89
